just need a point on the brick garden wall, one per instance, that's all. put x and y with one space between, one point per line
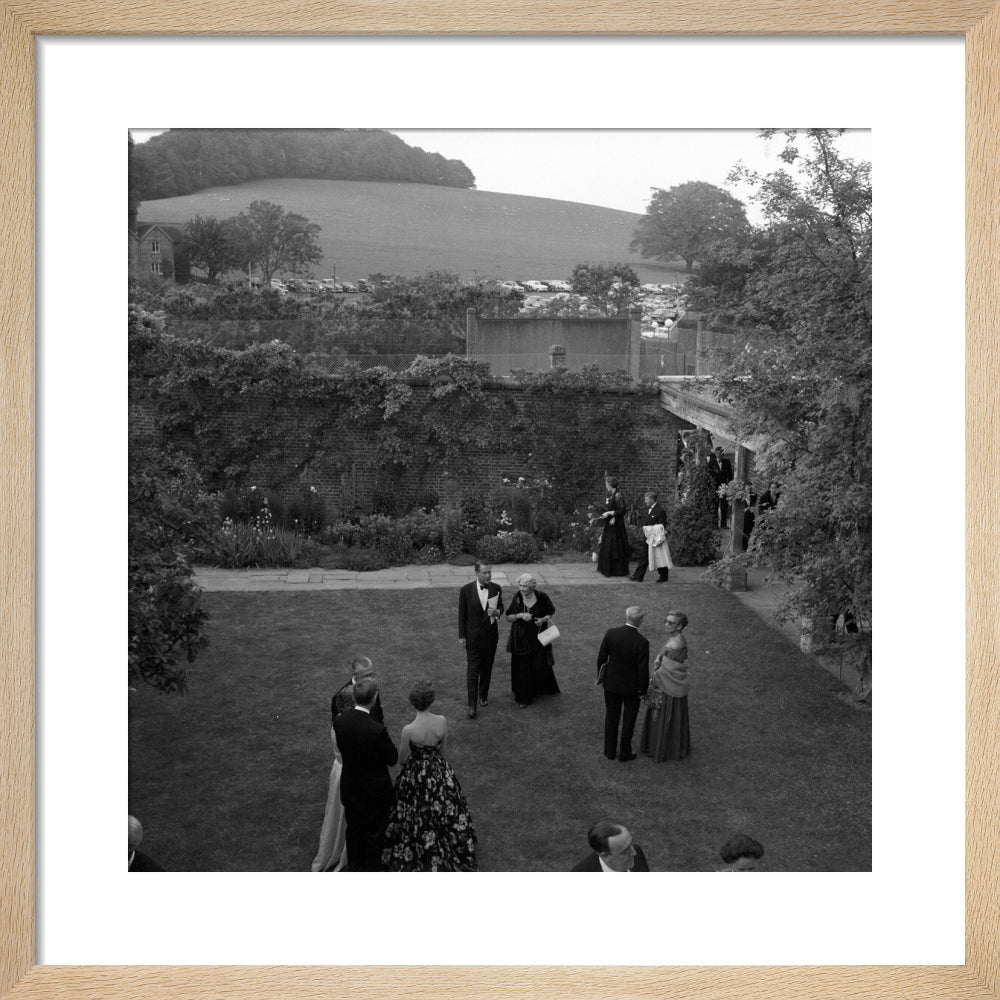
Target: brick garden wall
347 473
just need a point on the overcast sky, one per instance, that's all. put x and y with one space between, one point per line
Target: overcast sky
611 168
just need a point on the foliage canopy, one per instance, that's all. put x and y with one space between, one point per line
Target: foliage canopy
611 289
184 160
797 291
686 220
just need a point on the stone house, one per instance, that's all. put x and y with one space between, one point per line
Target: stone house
156 248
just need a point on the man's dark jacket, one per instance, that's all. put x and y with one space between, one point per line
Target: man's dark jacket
592 863
627 653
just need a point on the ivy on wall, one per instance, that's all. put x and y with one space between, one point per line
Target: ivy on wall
432 419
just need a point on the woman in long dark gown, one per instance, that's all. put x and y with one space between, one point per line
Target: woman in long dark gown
430 829
612 556
531 672
665 730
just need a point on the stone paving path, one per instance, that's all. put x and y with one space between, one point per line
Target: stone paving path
760 596
412 577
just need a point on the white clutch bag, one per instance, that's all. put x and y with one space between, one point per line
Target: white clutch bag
548 636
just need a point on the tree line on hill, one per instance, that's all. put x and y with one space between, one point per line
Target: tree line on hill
185 160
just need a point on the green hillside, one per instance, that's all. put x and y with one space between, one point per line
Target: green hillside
370 227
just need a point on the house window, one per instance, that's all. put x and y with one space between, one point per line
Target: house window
155 267
155 246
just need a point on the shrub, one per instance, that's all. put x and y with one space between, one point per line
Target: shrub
520 547
170 516
246 503
385 500
427 500
396 545
258 543
470 538
520 510
306 512
428 555
516 546
451 532
342 533
363 560
491 549
693 536
548 526
425 527
309 554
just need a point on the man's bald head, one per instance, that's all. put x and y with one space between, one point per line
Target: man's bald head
361 666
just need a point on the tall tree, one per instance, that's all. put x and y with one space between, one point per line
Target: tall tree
210 245
798 293
273 240
686 220
610 288
134 181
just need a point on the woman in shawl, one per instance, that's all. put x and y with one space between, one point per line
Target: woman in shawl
665 732
531 663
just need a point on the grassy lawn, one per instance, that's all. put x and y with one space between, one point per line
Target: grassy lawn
233 777
491 234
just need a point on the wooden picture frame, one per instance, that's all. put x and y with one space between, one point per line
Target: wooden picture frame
978 20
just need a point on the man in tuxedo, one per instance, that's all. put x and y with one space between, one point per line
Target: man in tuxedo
625 654
612 850
725 476
343 699
654 514
365 785
478 632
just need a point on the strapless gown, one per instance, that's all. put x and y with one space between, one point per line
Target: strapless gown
430 829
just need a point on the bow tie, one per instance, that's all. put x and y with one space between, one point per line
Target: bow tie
484 586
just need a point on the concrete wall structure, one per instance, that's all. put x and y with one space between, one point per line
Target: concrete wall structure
610 342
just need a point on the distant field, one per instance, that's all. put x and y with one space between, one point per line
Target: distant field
370 227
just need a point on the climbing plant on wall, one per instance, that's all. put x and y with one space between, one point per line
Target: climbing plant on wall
233 411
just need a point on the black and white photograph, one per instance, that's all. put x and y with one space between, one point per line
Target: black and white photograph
500 500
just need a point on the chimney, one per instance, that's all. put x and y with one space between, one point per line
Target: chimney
557 356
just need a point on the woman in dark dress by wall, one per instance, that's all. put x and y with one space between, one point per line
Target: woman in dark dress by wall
612 556
531 672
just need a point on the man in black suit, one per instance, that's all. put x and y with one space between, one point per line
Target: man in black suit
625 654
653 514
480 604
612 850
365 785
725 477
343 699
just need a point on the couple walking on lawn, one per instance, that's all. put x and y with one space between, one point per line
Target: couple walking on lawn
613 547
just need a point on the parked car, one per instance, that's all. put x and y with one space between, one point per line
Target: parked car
349 286
511 286
535 286
560 286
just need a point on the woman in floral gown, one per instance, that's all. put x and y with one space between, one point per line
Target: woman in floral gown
430 829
